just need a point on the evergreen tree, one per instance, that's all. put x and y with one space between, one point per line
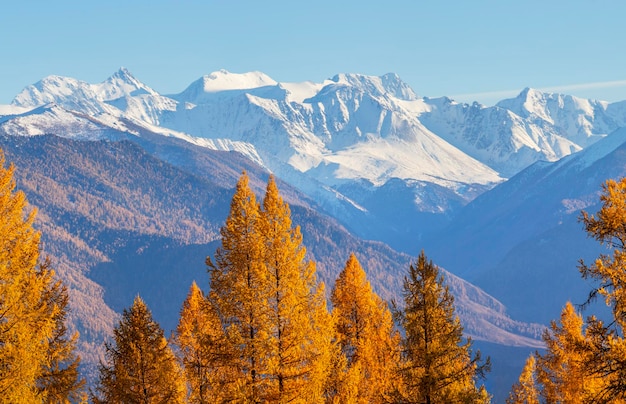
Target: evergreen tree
141 367
202 344
300 326
525 390
437 366
609 353
366 336
32 310
239 293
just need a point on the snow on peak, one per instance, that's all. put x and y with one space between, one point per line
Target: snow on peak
394 84
389 83
122 83
528 102
52 89
203 89
223 80
531 102
71 92
578 119
298 92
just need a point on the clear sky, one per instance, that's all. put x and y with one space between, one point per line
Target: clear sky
468 50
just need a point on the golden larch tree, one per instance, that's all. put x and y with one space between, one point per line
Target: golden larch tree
365 332
300 326
562 371
239 293
204 351
608 227
437 364
60 381
140 367
33 344
525 390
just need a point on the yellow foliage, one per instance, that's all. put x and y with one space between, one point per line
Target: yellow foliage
525 390
608 226
300 325
140 367
203 349
365 333
562 371
273 311
32 340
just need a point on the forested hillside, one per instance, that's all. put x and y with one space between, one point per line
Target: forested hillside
164 222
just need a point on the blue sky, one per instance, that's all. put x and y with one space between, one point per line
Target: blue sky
468 50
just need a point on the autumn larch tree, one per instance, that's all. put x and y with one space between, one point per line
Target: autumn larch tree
273 312
204 351
60 381
608 227
300 327
140 367
437 364
366 335
34 349
525 390
562 371
239 294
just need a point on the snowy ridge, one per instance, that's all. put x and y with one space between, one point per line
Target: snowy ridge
579 120
389 84
69 92
121 83
204 89
351 127
52 119
592 154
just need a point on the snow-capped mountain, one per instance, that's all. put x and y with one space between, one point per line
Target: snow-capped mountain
341 141
517 132
578 120
70 92
351 119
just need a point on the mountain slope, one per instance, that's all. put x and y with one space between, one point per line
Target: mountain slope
117 221
522 241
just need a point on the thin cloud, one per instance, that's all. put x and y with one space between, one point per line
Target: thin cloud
499 95
585 86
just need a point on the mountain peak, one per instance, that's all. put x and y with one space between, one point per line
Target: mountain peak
120 84
528 102
204 89
125 74
51 89
389 83
223 80
398 87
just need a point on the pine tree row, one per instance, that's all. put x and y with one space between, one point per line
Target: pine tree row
263 332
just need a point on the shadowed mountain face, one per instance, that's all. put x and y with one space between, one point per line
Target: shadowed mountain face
117 222
522 240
